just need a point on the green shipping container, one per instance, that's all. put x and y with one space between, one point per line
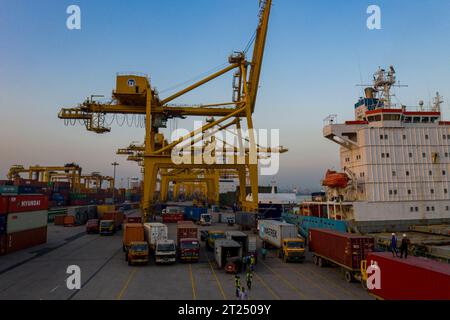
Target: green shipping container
9 189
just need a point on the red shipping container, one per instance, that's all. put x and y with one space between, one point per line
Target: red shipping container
186 231
4 204
345 249
25 239
415 278
2 245
172 217
23 203
133 220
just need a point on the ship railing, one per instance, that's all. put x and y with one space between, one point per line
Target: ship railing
331 119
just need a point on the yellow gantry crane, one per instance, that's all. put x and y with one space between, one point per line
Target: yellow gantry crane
134 95
69 172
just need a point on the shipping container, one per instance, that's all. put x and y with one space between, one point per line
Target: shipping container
21 221
344 249
155 232
132 232
224 250
274 232
224 217
11 190
69 221
3 222
3 244
59 220
414 278
101 209
115 216
186 230
22 203
4 205
172 217
194 213
25 239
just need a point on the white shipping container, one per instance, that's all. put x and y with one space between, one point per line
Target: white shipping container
155 232
274 232
251 244
224 216
23 221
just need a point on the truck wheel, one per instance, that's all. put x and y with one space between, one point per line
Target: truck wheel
320 262
348 276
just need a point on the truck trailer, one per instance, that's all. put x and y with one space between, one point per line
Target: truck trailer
284 237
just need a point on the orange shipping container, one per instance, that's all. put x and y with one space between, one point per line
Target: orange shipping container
69 221
59 220
132 232
115 216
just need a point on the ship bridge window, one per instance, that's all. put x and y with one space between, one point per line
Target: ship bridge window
444 172
409 191
430 173
444 136
434 120
404 137
410 154
445 191
424 155
391 117
447 208
432 191
408 119
407 173
416 119
425 120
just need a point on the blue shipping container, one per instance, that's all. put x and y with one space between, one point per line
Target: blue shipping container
8 190
26 189
194 213
305 223
3 220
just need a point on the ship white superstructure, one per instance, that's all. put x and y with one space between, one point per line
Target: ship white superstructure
397 159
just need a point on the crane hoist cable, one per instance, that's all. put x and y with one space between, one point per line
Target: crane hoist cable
202 75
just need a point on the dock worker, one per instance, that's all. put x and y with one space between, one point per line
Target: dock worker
404 246
394 245
237 282
252 263
249 280
263 253
243 295
244 263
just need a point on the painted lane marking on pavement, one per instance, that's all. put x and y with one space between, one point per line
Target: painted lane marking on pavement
192 282
54 289
301 294
125 286
318 286
217 280
267 287
336 283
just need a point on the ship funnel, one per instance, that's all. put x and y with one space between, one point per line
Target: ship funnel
369 92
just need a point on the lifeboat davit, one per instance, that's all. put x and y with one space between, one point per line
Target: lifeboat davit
335 179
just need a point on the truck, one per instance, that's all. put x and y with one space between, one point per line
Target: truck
172 214
165 251
228 255
210 236
134 246
187 241
346 250
248 243
198 215
415 278
284 237
154 232
106 227
116 217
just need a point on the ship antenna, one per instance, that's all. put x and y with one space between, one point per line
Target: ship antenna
437 101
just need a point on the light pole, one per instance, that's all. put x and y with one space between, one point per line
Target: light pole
114 164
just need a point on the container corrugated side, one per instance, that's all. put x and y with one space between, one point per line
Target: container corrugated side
2 244
3 223
414 278
23 203
4 205
25 239
22 221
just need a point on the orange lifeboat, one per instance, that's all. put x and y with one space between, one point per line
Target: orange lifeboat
335 179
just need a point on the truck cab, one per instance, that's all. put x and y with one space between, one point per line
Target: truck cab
137 252
107 227
189 250
165 251
205 219
293 249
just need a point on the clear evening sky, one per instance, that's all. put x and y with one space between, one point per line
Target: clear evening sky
317 51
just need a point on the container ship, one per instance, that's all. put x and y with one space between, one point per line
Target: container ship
394 161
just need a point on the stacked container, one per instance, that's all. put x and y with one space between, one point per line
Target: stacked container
23 221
